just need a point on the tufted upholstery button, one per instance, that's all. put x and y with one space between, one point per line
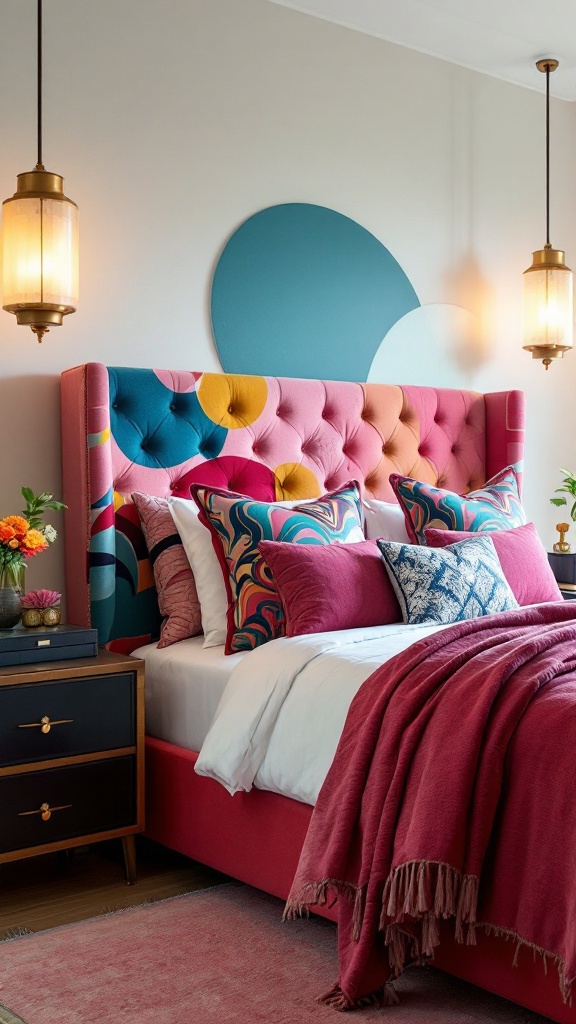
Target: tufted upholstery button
230 410
172 406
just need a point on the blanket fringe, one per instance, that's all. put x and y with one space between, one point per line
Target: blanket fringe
417 893
318 894
426 891
566 984
386 996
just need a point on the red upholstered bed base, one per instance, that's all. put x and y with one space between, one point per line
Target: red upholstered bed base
256 837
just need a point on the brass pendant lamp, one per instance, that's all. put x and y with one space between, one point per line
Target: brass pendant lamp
548 290
40 241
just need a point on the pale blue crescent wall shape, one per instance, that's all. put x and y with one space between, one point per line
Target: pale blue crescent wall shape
303 291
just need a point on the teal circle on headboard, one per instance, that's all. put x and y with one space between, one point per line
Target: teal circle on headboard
303 291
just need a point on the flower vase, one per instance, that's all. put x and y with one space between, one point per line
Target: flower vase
11 590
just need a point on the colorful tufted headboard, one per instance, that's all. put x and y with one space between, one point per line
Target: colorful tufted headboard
158 431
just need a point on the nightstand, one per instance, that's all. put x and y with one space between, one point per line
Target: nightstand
71 755
564 568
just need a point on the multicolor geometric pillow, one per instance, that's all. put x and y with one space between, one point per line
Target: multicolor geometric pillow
177 597
238 524
463 581
496 506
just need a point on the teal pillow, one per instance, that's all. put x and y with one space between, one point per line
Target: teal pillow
495 506
461 581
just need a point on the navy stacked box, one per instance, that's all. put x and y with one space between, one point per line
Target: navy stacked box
21 646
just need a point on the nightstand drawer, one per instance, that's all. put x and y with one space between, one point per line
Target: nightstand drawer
49 806
84 716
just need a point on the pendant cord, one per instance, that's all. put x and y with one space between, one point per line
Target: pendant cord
547 155
40 164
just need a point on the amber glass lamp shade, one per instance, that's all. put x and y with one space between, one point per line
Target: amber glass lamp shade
40 251
548 302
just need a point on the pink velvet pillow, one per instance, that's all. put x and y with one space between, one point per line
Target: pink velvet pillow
177 597
522 557
331 586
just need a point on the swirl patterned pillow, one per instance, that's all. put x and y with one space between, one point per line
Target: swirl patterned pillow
238 524
462 581
496 506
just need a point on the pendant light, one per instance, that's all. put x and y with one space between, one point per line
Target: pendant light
548 318
40 241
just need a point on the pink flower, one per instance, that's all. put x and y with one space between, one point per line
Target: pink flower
41 599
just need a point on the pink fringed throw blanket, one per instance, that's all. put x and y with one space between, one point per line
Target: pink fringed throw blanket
452 795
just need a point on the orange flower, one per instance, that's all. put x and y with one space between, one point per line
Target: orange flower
14 543
6 532
18 524
33 543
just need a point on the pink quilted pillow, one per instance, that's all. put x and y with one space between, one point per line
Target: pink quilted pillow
522 557
177 597
331 586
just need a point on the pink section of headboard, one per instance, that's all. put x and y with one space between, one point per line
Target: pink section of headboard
127 429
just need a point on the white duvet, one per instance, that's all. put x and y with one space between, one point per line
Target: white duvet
280 717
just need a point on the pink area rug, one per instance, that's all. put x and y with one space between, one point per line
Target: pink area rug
218 956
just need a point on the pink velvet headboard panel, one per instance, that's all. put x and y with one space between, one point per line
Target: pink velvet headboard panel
158 431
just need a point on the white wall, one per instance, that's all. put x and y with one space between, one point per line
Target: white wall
174 120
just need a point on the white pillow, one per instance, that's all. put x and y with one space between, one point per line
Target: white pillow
384 519
197 543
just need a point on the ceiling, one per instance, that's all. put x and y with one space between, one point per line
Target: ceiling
503 38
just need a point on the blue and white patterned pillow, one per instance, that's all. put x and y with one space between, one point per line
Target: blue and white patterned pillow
461 581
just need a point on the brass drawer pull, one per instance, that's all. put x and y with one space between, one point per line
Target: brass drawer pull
45 724
45 811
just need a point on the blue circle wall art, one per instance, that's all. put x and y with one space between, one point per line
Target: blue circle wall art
303 291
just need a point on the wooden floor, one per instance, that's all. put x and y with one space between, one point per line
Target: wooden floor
43 892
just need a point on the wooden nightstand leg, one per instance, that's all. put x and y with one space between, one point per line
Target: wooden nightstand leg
129 849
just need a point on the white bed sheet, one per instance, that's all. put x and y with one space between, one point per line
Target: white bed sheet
184 684
282 713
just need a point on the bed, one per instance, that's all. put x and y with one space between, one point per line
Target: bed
133 429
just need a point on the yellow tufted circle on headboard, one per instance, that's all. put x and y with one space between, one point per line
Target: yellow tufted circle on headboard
294 482
232 400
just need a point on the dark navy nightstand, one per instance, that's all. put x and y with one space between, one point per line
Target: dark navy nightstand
564 569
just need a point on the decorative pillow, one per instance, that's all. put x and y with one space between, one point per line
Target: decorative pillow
385 519
205 566
330 586
496 506
239 523
463 581
523 559
177 595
